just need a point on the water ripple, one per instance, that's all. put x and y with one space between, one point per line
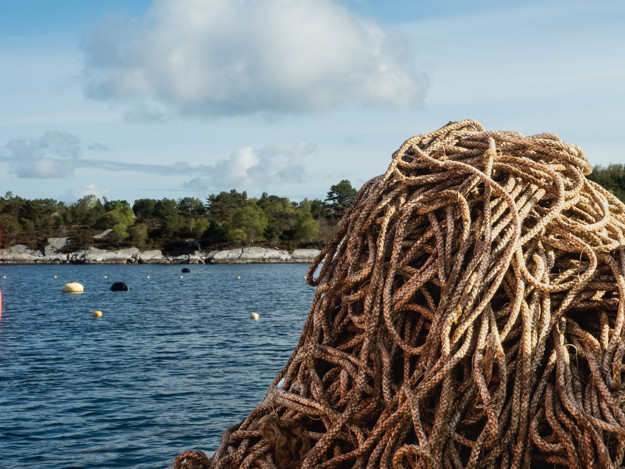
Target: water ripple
170 365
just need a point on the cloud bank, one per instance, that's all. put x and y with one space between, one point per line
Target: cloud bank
249 168
239 57
53 155
58 155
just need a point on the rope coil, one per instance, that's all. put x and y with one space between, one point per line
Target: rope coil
469 313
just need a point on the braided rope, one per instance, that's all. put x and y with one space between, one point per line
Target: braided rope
469 313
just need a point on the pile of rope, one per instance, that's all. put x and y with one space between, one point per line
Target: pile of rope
469 312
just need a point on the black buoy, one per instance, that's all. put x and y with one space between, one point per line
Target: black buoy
119 286
186 269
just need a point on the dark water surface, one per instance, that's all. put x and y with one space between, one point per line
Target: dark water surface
168 367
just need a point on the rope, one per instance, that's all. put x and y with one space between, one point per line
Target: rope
469 313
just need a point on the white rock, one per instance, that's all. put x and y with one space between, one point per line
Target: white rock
56 258
19 254
196 258
57 243
104 234
122 256
95 256
153 256
249 255
304 255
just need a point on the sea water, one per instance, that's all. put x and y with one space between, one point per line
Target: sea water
170 365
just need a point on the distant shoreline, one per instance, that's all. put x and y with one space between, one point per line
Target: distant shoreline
22 255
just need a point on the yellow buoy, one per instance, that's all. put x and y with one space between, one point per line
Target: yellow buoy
97 314
181 276
55 276
72 287
239 277
147 276
106 276
254 316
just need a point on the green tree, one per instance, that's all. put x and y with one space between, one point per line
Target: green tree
251 219
318 208
272 204
128 215
119 232
221 209
197 226
166 207
171 224
11 205
236 235
307 228
144 208
43 213
340 197
272 232
222 206
86 211
612 178
9 224
139 235
109 219
191 206
27 224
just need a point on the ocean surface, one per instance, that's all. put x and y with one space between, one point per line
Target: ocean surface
170 365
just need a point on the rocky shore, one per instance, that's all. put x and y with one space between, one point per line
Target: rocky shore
52 254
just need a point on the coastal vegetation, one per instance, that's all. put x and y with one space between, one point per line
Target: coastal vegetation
223 220
611 177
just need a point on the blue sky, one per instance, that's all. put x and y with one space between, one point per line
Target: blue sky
176 98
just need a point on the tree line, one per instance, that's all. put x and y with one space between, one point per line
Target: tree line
611 177
226 219
175 226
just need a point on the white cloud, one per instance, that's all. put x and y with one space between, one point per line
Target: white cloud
63 144
50 156
196 185
236 169
236 57
272 164
89 189
45 168
249 168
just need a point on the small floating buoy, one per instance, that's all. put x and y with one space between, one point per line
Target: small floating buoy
254 316
55 276
239 277
97 314
119 286
147 276
106 276
186 270
72 287
181 276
